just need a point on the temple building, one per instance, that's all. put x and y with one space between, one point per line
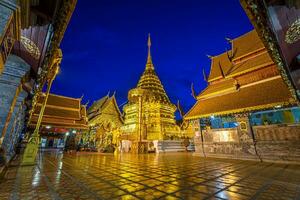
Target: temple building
149 114
30 55
105 120
246 111
277 24
63 117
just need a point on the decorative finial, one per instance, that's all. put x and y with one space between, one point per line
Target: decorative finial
193 92
209 56
204 75
87 103
228 39
179 107
149 41
149 64
149 60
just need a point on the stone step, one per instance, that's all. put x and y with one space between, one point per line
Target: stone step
172 146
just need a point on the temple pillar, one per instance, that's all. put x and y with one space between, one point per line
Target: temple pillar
10 88
198 137
140 123
244 127
139 147
14 127
246 137
17 129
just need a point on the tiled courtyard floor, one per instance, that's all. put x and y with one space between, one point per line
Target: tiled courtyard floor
152 176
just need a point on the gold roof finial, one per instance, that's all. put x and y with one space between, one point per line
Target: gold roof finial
149 64
149 40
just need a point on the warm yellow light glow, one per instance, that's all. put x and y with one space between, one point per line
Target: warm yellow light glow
149 114
223 136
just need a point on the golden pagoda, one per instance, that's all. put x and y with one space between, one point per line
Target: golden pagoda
149 114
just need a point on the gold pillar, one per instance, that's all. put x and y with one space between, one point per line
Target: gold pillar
33 143
140 146
140 119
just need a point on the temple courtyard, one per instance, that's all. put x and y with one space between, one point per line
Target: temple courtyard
148 176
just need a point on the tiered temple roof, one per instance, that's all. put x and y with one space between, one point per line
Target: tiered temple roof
61 112
101 106
97 106
242 79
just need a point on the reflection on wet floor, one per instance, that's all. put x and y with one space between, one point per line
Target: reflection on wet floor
151 176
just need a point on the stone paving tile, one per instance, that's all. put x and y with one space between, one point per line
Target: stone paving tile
163 176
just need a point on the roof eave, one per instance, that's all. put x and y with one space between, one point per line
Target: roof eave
242 110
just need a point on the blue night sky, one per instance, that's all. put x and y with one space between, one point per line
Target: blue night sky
104 47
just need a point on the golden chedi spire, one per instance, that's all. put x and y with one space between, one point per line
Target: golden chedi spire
149 114
149 79
149 64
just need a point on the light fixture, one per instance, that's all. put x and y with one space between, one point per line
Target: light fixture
67 133
278 106
74 131
48 127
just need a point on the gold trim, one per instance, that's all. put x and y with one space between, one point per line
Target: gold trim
233 90
218 93
58 107
248 109
63 96
261 81
252 69
214 79
252 52
51 116
83 127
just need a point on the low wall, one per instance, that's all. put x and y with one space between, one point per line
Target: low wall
225 143
275 143
279 143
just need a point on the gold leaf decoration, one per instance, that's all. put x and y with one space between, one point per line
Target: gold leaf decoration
31 47
293 33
